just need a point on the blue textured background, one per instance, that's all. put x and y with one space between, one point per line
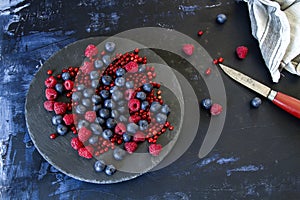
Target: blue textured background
257 156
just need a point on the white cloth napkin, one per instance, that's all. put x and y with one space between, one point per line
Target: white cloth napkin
276 26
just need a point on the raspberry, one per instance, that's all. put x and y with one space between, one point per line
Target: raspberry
90 116
84 134
68 119
120 129
90 149
60 108
76 143
130 147
216 109
69 84
134 105
50 82
188 49
90 51
129 94
155 149
134 118
49 105
241 52
84 152
131 67
139 136
51 94
87 67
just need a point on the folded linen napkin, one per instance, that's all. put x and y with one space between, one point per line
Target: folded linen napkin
276 26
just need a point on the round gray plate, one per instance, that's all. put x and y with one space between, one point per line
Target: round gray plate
59 152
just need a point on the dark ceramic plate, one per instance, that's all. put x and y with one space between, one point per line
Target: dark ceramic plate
59 152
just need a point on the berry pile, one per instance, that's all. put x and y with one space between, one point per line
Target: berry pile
214 108
112 104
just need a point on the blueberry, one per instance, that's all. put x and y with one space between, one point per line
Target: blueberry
76 96
59 87
206 103
129 84
93 139
57 119
122 103
104 113
256 102
117 95
108 103
88 92
161 118
86 102
61 129
107 134
110 170
126 137
100 120
122 118
132 127
106 59
114 114
65 76
165 109
96 99
221 18
111 123
141 95
120 72
110 46
80 87
80 109
104 94
99 165
144 105
94 75
122 109
119 153
142 68
143 125
120 81
82 123
98 64
96 108
147 87
113 88
96 129
106 80
94 83
155 106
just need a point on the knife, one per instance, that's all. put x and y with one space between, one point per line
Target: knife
285 102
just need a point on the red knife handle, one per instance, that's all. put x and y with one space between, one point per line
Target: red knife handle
287 103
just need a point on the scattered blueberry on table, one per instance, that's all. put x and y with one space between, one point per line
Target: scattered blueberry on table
256 102
221 18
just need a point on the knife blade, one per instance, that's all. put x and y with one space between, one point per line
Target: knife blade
285 102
